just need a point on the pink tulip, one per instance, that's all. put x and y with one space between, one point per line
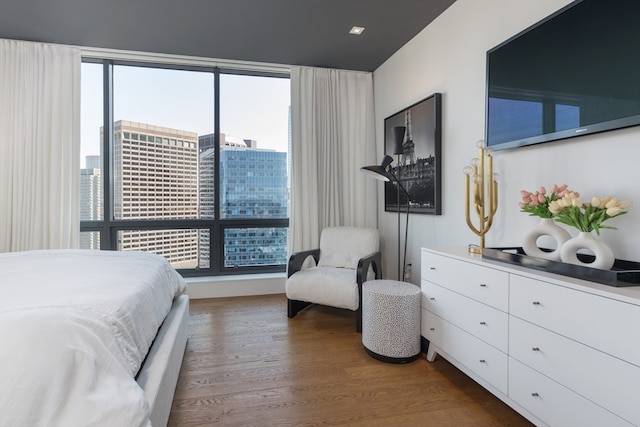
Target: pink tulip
541 198
542 190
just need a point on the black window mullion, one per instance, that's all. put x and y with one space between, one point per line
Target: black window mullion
216 249
108 238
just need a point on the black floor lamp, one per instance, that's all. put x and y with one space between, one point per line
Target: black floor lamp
383 172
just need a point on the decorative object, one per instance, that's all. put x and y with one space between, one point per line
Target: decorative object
419 157
587 217
537 204
603 260
624 273
485 193
546 227
384 172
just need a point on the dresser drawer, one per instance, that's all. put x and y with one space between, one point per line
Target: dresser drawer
608 325
483 284
431 327
606 380
555 404
484 360
485 322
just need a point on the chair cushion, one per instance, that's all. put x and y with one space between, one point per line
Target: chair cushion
342 247
336 287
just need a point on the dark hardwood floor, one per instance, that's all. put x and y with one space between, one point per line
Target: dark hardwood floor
247 364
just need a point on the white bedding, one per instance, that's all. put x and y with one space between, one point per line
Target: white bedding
75 327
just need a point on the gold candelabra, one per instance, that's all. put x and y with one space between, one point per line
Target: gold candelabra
485 193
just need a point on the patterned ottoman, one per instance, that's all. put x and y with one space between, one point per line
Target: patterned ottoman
391 320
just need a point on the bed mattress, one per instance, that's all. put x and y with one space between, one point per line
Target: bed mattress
75 327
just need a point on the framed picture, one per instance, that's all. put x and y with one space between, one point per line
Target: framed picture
417 156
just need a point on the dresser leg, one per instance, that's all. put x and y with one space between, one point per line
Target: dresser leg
431 353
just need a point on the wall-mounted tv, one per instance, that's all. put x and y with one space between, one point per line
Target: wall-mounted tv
574 73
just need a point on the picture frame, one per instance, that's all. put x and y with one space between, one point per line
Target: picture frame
417 157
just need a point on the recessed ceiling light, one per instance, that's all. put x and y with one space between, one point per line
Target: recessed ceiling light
356 30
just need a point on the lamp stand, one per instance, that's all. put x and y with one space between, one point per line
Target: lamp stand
485 200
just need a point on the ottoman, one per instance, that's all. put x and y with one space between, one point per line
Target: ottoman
391 320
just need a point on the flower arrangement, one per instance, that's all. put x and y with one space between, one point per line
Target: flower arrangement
537 204
587 216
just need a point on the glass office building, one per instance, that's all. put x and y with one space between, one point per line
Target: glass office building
254 185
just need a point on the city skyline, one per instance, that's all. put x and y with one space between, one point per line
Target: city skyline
161 173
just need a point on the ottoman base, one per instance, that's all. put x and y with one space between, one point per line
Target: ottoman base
387 359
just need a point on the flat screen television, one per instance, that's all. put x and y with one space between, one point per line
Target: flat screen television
574 73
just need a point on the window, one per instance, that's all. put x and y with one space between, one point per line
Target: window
176 177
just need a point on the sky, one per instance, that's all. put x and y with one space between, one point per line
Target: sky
251 107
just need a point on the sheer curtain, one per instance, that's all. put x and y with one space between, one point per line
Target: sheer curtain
333 135
39 146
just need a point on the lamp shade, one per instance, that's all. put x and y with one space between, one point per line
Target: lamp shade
379 171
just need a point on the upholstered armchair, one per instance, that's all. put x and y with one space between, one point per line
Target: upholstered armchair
347 257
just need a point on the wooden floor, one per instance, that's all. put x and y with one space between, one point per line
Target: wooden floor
247 364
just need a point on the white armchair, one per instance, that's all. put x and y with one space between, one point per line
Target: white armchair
347 257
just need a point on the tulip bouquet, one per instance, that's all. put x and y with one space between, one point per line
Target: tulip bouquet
587 216
537 204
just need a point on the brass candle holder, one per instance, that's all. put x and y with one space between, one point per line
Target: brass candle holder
485 193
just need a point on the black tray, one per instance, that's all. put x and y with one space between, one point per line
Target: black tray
623 273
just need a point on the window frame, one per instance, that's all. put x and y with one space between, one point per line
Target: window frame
108 227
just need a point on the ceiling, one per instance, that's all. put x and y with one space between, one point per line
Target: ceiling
292 32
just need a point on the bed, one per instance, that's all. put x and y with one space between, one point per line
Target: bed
89 338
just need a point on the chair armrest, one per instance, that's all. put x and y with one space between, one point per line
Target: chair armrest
373 260
297 259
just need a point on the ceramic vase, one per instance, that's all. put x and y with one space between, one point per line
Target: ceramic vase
546 227
604 258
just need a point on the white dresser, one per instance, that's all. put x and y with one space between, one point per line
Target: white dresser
561 351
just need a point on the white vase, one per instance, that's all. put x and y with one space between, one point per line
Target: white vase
546 227
604 255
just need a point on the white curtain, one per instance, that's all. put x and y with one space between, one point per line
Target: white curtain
333 136
39 146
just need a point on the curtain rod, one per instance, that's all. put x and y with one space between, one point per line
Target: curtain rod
169 59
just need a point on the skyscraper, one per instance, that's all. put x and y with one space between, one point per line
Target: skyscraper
253 185
156 177
90 200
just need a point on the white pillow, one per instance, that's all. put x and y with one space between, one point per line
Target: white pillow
342 247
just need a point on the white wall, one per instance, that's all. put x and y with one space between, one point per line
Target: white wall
449 57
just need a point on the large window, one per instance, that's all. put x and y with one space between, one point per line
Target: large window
191 165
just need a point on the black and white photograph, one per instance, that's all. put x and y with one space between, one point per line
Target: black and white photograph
413 138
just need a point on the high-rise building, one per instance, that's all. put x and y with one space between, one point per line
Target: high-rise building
93 162
253 185
90 201
155 176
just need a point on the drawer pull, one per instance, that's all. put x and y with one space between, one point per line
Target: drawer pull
483 285
432 268
483 361
432 329
536 303
483 323
535 394
535 348
432 299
